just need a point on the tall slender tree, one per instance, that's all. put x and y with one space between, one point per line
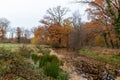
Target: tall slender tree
18 34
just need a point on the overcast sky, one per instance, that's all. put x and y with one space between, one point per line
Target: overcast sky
27 13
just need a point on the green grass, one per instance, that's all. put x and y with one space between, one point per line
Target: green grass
114 59
13 46
51 66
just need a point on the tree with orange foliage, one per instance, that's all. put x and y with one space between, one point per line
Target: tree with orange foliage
95 31
2 34
39 35
92 30
108 13
58 35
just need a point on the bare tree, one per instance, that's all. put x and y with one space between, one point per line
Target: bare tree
26 36
18 34
32 30
12 32
75 37
76 19
55 15
4 23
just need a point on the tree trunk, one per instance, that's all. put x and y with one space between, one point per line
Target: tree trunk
105 38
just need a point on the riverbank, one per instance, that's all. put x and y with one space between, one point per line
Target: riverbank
82 67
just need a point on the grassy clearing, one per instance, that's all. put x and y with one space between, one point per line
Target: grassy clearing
114 59
8 45
13 47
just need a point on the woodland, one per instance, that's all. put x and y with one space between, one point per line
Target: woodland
64 48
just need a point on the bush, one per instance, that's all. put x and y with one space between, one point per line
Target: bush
25 51
63 76
13 66
42 49
5 53
35 58
49 59
17 64
51 70
50 65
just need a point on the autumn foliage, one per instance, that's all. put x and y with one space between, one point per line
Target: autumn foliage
98 34
2 34
55 35
58 35
92 33
39 36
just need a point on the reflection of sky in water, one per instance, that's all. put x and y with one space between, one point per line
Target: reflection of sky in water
27 13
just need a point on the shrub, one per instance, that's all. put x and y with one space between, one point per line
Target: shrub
35 58
49 59
5 53
51 69
63 76
50 65
13 66
42 49
25 51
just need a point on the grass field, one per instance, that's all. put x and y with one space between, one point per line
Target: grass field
13 46
114 59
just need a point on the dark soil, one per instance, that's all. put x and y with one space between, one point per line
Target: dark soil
87 67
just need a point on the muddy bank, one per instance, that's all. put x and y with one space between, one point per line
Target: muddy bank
81 67
67 66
